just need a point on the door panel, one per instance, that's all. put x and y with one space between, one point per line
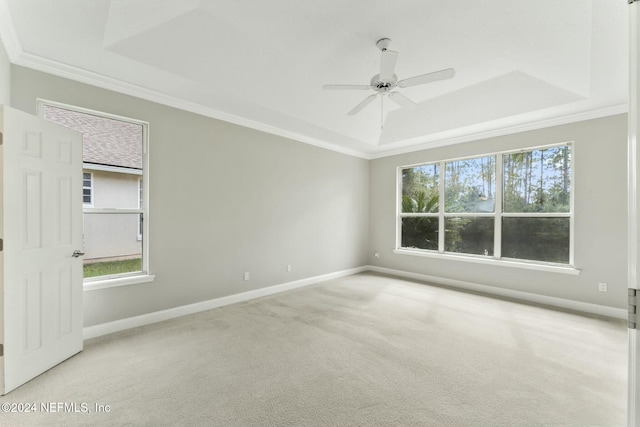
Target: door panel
42 185
62 303
63 211
31 301
32 222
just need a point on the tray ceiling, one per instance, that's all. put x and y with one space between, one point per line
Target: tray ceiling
519 65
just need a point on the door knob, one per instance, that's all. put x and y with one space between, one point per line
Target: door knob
77 253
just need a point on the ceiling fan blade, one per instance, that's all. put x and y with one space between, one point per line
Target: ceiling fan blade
346 87
401 100
368 100
388 64
428 78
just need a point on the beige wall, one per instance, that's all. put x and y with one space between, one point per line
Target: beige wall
227 199
5 77
600 214
224 199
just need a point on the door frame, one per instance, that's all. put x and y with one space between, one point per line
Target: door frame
633 408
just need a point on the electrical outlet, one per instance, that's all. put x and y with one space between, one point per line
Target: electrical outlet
246 275
289 268
602 287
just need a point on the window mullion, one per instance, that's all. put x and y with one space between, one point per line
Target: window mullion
441 201
537 214
112 211
497 231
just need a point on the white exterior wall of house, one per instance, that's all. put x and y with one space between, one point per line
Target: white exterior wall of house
115 190
112 236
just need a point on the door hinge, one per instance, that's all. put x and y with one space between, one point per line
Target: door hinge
633 305
1 245
0 138
1 350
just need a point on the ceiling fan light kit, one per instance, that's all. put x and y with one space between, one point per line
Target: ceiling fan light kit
386 81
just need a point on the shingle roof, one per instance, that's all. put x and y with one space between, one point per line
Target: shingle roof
106 141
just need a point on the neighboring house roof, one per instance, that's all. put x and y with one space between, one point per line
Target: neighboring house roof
106 141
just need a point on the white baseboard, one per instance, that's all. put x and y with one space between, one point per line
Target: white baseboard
618 313
171 313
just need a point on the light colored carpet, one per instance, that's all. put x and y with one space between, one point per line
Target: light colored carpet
365 350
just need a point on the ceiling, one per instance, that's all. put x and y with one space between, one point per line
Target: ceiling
519 64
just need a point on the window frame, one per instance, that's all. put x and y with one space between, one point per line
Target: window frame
141 198
498 215
143 276
90 187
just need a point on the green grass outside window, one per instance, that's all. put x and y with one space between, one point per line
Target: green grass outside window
110 268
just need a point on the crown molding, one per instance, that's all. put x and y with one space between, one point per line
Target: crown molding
99 80
95 79
437 142
8 35
18 56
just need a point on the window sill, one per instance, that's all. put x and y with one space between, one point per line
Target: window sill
95 284
553 268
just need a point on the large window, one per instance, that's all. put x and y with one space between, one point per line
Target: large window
511 205
115 207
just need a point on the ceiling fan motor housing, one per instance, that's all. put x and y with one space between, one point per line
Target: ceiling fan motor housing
383 85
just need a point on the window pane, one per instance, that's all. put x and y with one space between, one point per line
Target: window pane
106 141
470 185
111 244
469 235
538 180
538 239
420 189
420 233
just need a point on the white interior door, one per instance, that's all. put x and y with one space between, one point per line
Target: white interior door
41 229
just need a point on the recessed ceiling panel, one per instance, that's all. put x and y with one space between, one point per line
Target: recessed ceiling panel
127 18
504 96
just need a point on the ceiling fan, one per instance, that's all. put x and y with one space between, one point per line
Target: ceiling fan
386 81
